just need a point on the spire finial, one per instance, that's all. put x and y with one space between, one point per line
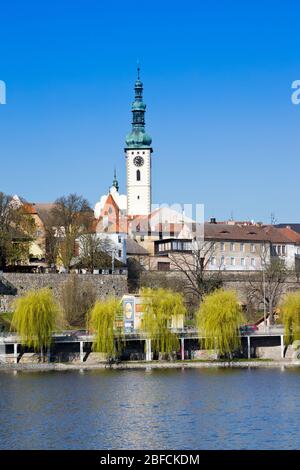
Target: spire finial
115 181
138 69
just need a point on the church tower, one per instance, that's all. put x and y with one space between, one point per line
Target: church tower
138 158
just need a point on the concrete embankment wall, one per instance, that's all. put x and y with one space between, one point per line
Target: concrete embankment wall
20 283
73 350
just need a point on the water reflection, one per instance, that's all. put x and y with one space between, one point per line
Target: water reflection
170 409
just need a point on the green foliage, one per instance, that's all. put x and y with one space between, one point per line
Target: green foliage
102 324
162 308
219 318
35 317
290 316
77 298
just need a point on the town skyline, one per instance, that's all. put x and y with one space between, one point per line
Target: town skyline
218 100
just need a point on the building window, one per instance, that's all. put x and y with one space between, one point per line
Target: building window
222 261
119 239
142 238
253 262
283 250
252 248
242 261
222 246
242 247
162 266
232 246
187 246
138 175
232 261
120 253
213 261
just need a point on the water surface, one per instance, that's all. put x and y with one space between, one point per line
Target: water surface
156 409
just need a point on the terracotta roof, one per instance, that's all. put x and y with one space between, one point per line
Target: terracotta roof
295 227
234 232
291 234
277 235
29 208
256 233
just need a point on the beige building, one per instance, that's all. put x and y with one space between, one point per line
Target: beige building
224 246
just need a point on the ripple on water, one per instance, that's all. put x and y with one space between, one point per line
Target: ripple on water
190 409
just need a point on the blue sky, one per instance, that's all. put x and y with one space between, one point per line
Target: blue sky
217 78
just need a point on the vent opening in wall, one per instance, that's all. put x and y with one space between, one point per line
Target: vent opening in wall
138 175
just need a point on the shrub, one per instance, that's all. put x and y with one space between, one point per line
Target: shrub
102 324
218 319
290 315
162 307
36 315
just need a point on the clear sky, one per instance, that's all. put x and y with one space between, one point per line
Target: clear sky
217 82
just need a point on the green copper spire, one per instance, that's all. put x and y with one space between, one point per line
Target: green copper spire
115 181
138 138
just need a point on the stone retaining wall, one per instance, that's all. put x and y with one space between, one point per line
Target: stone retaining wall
232 280
105 285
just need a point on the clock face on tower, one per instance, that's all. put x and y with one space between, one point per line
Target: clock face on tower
138 160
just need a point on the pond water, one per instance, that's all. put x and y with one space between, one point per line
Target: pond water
155 409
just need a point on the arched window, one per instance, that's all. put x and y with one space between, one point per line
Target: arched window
138 175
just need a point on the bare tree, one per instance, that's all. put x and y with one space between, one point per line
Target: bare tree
51 238
17 229
72 216
77 298
266 287
94 251
193 266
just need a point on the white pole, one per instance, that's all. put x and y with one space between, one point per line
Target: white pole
81 351
182 349
249 348
15 353
282 346
148 350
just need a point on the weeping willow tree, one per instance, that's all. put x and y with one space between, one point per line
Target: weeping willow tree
102 322
290 315
163 310
35 317
218 319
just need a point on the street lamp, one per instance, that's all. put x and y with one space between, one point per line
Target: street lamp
264 291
